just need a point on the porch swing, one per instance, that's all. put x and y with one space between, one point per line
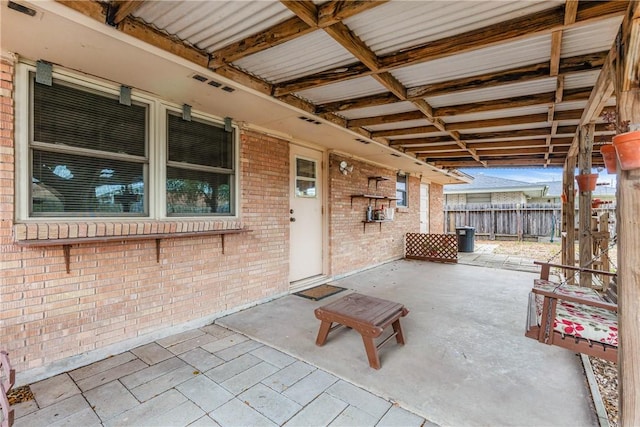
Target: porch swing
577 318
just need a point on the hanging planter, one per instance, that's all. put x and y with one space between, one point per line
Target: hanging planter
609 155
627 146
587 182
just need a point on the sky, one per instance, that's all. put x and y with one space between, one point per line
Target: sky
531 174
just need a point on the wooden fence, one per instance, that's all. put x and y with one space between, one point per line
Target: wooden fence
508 221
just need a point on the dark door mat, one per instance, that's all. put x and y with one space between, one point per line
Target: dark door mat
320 292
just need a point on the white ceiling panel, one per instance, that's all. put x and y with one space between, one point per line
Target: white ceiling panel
491 93
210 25
400 24
304 55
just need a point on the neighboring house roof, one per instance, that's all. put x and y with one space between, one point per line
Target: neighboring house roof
608 190
491 184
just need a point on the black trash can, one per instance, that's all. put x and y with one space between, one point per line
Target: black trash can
466 237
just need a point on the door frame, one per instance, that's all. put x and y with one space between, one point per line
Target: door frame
324 169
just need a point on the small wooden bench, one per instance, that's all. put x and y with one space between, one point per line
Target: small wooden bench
368 315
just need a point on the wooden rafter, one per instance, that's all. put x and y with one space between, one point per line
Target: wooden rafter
580 63
329 17
580 94
539 23
120 9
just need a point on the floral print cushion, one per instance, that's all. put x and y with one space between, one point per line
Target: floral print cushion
567 290
580 320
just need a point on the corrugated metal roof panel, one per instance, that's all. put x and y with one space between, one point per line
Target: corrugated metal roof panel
305 55
399 24
379 110
538 125
210 25
496 114
399 125
578 80
491 93
573 105
595 37
355 88
487 60
426 135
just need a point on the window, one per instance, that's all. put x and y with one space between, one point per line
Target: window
88 154
199 167
401 191
305 178
82 154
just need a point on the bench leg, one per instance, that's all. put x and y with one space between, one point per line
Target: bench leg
372 352
398 330
325 327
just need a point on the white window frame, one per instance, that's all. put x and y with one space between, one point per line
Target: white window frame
156 149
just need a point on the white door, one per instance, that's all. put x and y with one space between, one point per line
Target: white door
424 208
305 259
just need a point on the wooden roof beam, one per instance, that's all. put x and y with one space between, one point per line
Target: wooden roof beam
386 119
574 64
491 162
120 9
405 131
537 23
474 124
303 23
578 94
541 22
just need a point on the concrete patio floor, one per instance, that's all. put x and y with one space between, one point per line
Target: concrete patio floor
205 377
465 362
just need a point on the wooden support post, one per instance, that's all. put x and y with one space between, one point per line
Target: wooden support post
584 203
627 89
569 217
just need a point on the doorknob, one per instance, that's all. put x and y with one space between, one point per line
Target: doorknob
292 219
290 211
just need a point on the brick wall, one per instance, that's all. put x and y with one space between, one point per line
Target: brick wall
354 245
436 208
117 291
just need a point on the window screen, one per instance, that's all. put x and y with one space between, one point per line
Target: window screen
88 153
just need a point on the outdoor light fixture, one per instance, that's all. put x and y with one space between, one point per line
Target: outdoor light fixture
345 168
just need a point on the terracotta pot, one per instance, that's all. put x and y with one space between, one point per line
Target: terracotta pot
609 155
627 147
587 182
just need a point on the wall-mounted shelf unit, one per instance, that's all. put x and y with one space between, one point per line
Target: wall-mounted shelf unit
66 243
377 179
372 197
364 224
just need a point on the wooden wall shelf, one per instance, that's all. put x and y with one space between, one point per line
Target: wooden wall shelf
372 197
364 224
66 243
377 179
